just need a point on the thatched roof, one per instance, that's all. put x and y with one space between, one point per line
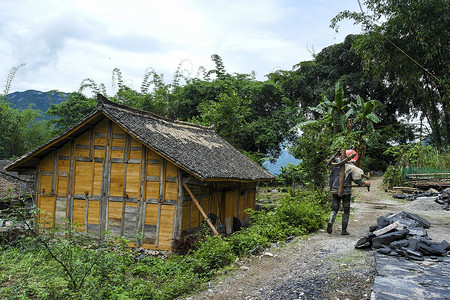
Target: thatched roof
199 150
13 187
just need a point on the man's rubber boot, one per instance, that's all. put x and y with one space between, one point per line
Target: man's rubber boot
330 227
345 218
330 223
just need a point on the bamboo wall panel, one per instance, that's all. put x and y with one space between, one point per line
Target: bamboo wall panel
60 211
115 217
171 182
47 204
153 173
82 145
116 188
166 227
195 217
94 217
117 142
205 204
79 209
151 219
133 185
185 219
47 200
83 177
231 199
135 149
97 179
130 219
62 184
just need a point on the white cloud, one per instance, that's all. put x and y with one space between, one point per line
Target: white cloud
62 42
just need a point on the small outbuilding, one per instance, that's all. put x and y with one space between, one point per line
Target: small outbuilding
128 172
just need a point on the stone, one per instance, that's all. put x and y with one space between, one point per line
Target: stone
388 238
386 228
399 244
445 245
365 241
430 248
383 222
384 250
425 223
372 228
417 231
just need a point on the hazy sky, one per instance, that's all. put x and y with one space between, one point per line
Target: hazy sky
63 42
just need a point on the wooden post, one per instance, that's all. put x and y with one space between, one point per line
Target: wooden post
162 180
200 209
342 174
71 179
179 207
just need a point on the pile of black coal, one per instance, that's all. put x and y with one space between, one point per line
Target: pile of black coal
442 197
403 234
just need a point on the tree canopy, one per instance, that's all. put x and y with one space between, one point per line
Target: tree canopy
406 45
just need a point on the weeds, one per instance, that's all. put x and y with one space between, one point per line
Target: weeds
67 264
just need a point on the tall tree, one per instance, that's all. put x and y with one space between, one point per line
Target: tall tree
69 112
406 45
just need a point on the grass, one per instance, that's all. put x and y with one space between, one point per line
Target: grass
93 269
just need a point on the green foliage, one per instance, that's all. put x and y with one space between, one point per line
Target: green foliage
19 130
406 46
392 176
66 264
69 112
313 148
213 254
291 174
415 156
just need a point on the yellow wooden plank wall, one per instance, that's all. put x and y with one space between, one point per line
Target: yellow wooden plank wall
166 227
47 200
153 173
171 182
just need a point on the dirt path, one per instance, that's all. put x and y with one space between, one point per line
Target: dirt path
322 266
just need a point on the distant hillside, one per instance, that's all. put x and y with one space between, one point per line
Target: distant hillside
38 100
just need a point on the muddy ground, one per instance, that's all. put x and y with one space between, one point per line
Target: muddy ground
322 266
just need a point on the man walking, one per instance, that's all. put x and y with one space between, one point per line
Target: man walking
341 189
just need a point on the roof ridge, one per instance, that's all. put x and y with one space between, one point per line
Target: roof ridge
102 101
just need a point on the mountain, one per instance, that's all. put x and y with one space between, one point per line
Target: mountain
37 99
284 159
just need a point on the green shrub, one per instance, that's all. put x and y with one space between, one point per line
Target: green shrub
214 253
247 239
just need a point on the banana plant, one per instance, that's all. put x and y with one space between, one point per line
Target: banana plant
351 123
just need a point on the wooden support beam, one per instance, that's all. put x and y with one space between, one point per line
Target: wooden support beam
126 156
55 170
162 177
142 204
71 179
179 207
341 173
201 210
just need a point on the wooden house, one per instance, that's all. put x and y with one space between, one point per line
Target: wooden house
129 171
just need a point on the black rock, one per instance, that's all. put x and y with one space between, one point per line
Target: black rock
399 196
430 249
421 220
399 244
365 241
386 239
384 250
372 228
445 245
383 222
412 243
